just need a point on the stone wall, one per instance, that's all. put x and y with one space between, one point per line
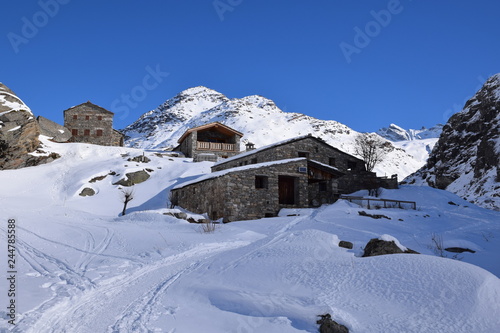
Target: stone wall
234 196
310 147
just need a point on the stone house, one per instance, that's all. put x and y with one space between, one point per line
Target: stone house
296 173
210 142
91 123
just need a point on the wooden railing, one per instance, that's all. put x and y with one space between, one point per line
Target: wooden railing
385 201
216 146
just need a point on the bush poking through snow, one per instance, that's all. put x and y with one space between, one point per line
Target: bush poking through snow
208 227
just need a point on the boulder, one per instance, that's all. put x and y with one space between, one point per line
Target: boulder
346 244
87 192
133 178
377 247
328 325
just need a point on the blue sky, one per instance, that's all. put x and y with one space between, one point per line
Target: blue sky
363 63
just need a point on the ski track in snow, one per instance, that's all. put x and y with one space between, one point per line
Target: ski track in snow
140 288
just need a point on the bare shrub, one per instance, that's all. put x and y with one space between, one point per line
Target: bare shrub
128 195
208 227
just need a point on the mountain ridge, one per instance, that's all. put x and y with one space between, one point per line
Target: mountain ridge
260 120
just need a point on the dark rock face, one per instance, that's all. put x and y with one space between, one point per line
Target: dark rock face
378 247
466 158
19 133
53 130
133 178
328 325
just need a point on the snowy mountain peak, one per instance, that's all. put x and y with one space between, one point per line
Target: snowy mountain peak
396 133
260 120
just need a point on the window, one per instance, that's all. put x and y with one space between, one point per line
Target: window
303 154
74 132
98 132
351 165
331 161
99 117
322 187
86 132
87 117
253 161
261 182
75 117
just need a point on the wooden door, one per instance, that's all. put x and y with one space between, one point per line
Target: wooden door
286 189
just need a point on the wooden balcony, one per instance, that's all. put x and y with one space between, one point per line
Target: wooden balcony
216 146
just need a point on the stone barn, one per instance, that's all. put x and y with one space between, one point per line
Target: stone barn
296 173
91 123
210 142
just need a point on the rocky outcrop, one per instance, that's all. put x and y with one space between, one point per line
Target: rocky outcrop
133 178
328 325
466 158
87 192
19 133
378 247
53 130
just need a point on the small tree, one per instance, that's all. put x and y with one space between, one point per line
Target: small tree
370 148
128 195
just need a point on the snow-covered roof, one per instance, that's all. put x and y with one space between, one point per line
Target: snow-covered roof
251 152
236 169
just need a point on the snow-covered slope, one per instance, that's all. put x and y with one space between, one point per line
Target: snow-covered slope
258 118
82 268
417 143
466 159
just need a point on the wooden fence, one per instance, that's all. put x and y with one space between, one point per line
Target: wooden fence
385 201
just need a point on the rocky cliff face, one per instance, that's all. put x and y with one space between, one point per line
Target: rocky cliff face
466 157
19 132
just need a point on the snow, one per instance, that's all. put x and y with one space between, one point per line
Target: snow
14 129
83 268
389 238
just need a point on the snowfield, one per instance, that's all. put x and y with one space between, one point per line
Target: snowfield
83 268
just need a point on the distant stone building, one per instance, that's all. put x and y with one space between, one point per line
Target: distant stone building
210 142
296 173
91 123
